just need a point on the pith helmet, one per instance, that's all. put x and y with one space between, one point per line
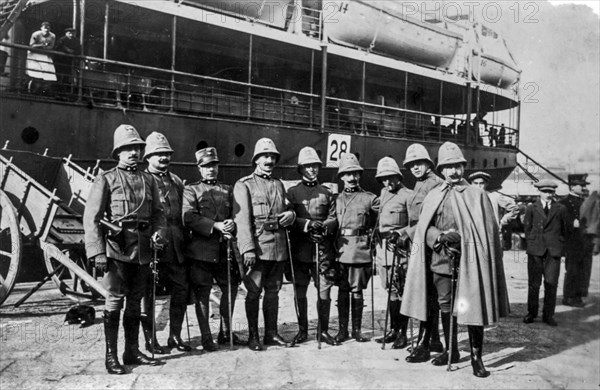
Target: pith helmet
450 153
387 166
206 156
480 175
125 135
265 145
157 143
308 155
349 163
416 152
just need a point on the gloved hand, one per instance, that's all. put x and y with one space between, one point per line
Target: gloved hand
316 227
157 242
286 218
399 242
249 259
392 242
450 239
316 237
101 262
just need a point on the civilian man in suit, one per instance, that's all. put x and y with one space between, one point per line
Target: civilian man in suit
546 227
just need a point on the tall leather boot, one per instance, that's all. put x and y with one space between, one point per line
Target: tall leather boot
323 311
111 335
302 334
421 353
132 354
476 340
252 317
270 311
202 314
343 304
401 341
394 313
435 345
225 325
152 344
442 359
176 315
357 312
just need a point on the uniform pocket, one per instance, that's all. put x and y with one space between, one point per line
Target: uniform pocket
118 205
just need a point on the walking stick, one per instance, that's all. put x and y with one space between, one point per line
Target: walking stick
187 325
229 293
452 288
318 283
373 295
287 237
389 296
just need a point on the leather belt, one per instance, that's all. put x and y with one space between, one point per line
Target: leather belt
353 232
139 225
385 235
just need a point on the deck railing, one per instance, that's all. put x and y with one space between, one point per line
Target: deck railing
90 80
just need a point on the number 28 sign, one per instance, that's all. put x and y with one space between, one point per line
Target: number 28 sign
337 144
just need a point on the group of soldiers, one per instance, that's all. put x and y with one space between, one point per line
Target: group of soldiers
436 248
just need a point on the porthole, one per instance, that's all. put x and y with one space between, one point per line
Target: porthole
30 135
201 145
239 150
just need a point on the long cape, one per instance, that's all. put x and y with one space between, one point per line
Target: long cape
481 296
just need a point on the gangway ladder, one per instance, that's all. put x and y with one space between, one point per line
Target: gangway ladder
10 10
531 175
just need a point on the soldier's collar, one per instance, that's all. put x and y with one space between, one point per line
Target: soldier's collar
424 177
262 174
209 182
310 183
157 172
127 167
355 189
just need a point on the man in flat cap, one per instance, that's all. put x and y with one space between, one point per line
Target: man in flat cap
578 245
130 199
262 212
207 213
505 208
65 65
546 227
171 267
357 215
459 247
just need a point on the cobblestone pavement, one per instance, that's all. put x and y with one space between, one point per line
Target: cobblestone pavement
38 351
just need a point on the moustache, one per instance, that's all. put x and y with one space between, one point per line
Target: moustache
269 164
353 182
164 160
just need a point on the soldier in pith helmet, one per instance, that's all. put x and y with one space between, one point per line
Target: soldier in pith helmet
207 214
172 265
393 217
315 223
356 211
420 165
460 249
262 212
130 199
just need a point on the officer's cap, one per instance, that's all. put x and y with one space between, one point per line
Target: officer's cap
206 156
578 179
546 185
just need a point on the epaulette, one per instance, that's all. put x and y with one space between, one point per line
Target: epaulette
195 183
245 178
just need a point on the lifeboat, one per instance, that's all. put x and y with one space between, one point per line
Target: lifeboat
272 12
380 26
495 64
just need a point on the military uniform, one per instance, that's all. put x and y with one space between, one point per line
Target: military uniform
428 330
258 200
204 203
356 211
312 202
130 199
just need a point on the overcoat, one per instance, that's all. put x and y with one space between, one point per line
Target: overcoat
481 295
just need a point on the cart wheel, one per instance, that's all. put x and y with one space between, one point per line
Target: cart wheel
67 281
10 246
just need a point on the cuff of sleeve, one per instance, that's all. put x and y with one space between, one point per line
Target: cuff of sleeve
306 226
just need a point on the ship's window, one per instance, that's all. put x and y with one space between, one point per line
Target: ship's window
485 162
495 163
201 145
239 150
472 163
30 135
504 161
